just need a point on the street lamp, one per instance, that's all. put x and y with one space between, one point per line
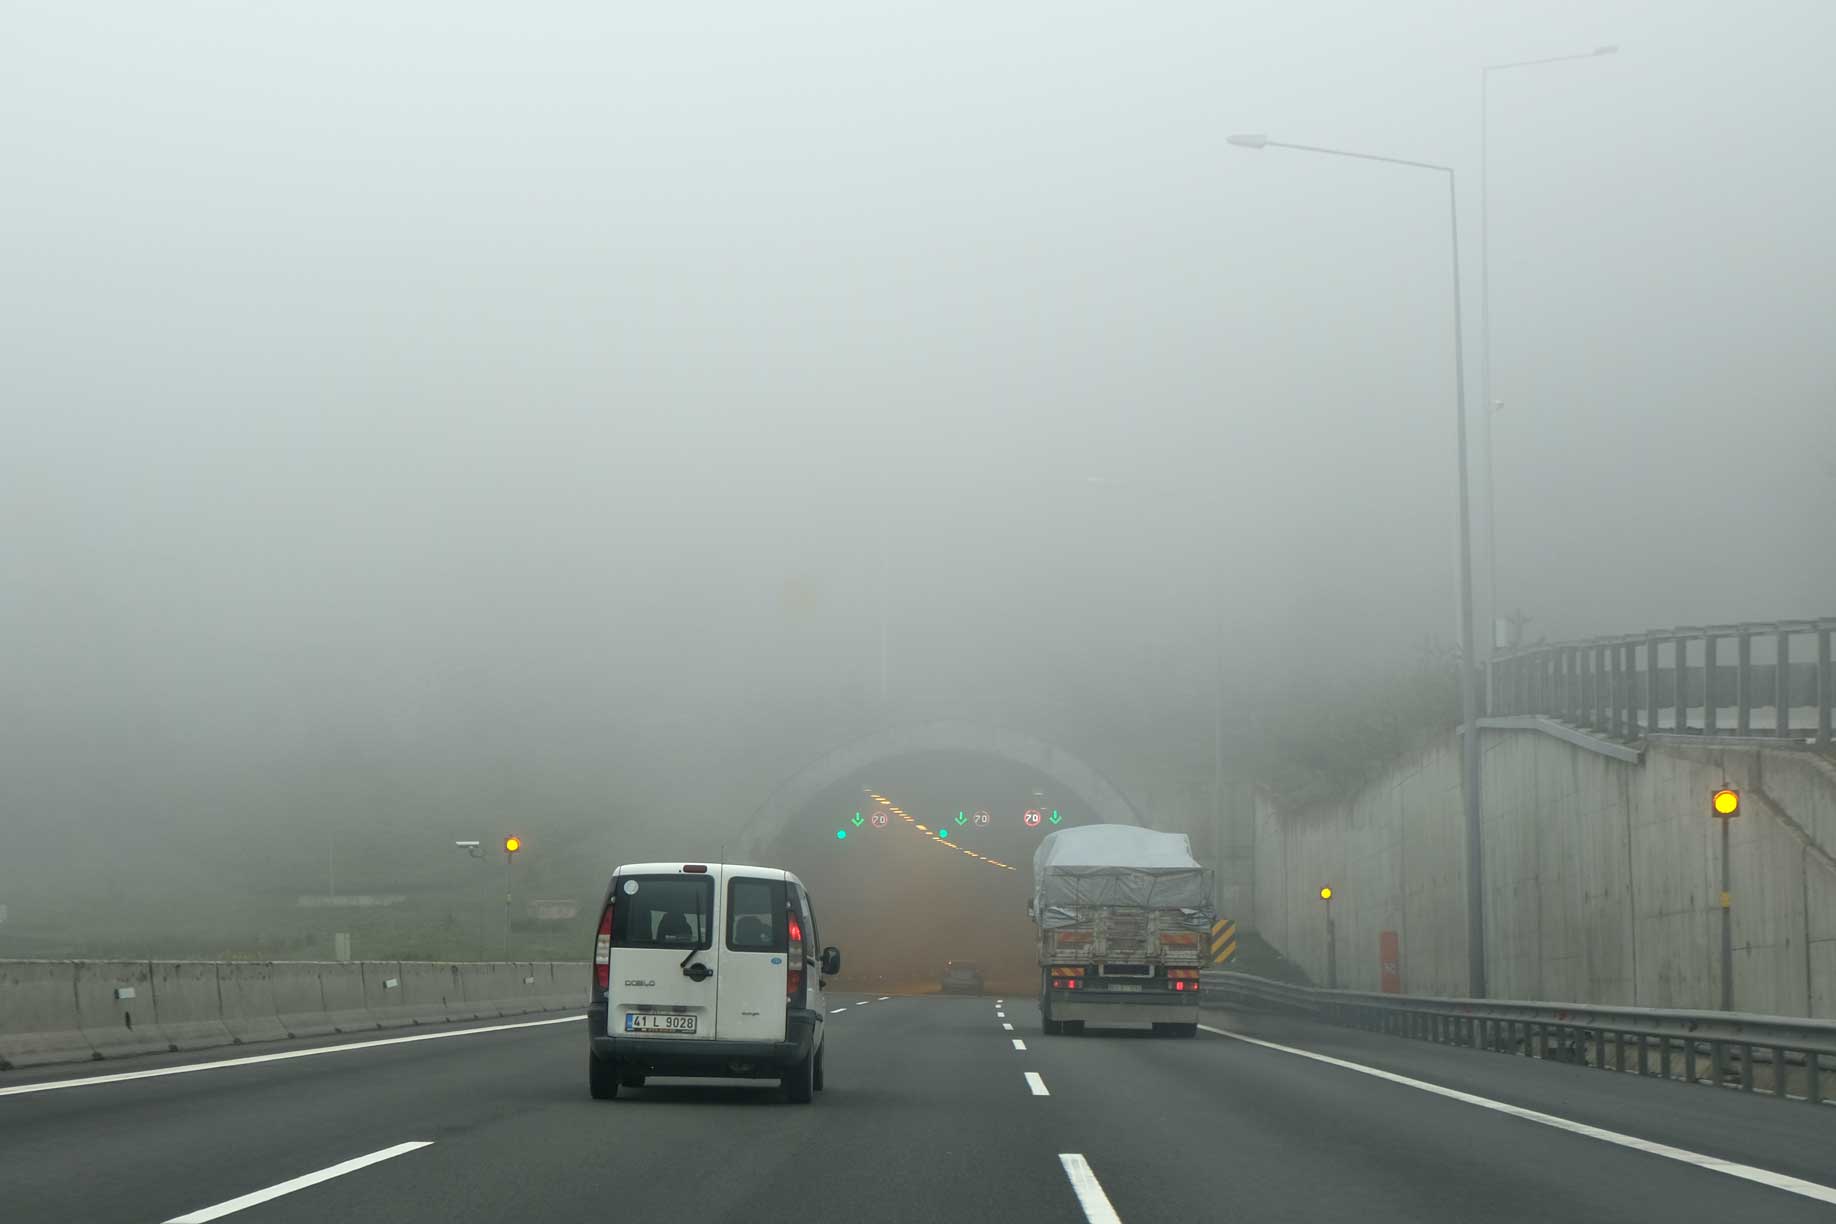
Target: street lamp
512 844
1332 946
1469 697
1485 311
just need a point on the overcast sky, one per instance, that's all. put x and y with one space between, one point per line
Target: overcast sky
461 371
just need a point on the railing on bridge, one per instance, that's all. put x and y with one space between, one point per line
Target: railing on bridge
1769 680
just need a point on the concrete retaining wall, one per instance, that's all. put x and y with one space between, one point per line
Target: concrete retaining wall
1602 877
65 1011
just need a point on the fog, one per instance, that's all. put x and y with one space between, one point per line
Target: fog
427 420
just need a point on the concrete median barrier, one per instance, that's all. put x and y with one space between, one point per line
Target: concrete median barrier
517 993
431 992
483 990
299 998
560 986
346 1009
38 1014
186 1004
115 1008
384 996
250 1010
69 1011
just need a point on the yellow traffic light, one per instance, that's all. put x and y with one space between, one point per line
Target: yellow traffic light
1325 894
513 844
1726 802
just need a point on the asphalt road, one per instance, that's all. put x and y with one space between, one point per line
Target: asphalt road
929 1115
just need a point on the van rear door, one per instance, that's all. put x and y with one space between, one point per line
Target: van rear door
753 947
663 981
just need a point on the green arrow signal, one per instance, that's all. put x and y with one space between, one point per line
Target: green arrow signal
1055 816
856 822
961 819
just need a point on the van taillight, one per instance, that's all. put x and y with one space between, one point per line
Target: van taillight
602 951
793 980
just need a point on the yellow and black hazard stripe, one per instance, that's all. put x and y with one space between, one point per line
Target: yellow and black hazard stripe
1067 971
1223 941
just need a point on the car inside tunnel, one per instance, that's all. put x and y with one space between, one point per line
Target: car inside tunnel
923 860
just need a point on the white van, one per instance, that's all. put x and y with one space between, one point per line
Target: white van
707 970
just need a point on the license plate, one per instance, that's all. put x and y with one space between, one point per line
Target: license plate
1122 986
651 1022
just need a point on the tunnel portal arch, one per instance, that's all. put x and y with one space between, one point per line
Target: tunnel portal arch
1103 798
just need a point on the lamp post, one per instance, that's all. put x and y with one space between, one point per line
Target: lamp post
511 845
1332 943
1469 697
1485 308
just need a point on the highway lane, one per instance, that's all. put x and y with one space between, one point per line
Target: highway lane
928 1115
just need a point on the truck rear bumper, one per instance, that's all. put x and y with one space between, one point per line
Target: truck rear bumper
1099 1008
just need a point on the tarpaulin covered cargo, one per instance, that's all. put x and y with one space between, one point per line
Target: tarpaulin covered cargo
1111 866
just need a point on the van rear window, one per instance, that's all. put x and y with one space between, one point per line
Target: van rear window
662 912
755 915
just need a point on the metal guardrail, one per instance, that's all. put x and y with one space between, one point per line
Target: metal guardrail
1678 682
1782 1055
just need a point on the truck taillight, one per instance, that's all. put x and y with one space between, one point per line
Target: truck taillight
602 951
793 980
1182 979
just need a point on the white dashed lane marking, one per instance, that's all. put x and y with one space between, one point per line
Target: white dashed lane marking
1088 1189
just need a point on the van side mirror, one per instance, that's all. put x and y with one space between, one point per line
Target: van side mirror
831 960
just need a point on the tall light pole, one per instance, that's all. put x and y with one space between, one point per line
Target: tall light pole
1485 311
511 845
1469 697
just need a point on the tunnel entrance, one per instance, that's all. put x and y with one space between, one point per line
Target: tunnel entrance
924 858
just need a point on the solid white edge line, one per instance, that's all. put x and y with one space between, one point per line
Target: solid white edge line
1089 1190
1714 1164
1019 1044
1036 1084
229 1206
256 1059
